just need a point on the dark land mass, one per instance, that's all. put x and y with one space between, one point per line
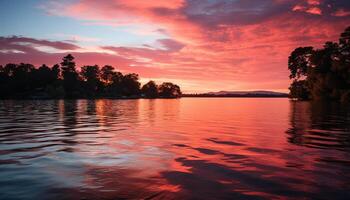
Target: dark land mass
240 94
64 81
321 74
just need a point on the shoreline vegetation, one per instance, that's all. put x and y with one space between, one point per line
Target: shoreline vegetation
321 74
25 81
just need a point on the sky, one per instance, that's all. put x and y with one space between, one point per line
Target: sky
201 45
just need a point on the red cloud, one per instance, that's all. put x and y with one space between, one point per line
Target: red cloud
314 10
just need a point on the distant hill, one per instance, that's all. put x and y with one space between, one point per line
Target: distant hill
257 93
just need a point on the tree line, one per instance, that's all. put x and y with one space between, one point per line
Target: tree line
22 81
321 74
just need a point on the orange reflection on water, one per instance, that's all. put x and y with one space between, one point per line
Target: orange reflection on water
186 148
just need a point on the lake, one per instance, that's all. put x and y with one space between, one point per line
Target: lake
189 148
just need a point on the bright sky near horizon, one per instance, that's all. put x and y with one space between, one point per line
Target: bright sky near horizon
202 45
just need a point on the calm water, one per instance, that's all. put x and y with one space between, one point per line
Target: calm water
188 148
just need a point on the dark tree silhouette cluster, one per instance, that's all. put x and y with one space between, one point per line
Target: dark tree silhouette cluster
25 81
321 74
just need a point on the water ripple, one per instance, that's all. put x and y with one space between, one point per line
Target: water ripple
189 148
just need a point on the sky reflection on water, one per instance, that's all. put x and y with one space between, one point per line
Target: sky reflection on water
190 148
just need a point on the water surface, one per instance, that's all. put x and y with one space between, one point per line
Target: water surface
189 148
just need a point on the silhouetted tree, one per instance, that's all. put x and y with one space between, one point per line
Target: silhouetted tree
25 81
91 76
107 73
69 74
299 61
116 87
150 90
22 77
112 81
55 72
7 84
4 82
322 73
169 90
298 89
130 85
3 75
43 76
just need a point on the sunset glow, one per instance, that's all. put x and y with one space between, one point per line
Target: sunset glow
202 45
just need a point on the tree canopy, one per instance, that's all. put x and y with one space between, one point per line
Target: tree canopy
321 74
150 90
168 89
21 81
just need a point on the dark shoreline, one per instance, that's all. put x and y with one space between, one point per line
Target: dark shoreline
130 98
237 96
112 98
233 97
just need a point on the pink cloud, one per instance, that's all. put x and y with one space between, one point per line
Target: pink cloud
314 10
299 8
342 13
314 2
7 42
